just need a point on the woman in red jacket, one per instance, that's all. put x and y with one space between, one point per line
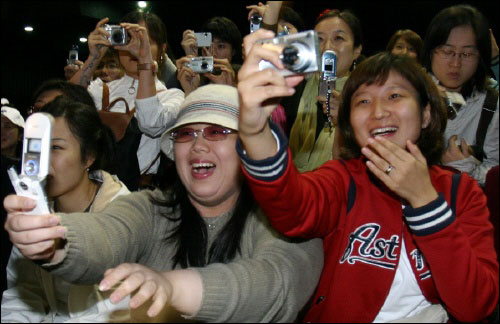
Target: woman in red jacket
403 238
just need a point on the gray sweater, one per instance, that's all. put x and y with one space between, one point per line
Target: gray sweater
270 281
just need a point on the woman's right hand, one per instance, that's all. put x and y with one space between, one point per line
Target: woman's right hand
256 87
188 79
36 236
189 43
259 9
98 40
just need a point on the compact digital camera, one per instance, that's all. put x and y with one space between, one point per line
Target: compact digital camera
255 22
203 39
328 72
118 35
35 162
73 55
299 53
202 64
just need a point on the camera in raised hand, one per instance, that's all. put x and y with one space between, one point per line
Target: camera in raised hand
300 53
118 35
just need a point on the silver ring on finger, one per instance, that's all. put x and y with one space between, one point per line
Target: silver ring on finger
389 169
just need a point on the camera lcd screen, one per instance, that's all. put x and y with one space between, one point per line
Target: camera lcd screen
34 145
328 67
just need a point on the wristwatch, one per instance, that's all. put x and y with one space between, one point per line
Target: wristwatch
153 67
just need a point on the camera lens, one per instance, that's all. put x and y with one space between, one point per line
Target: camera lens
256 19
204 65
290 55
117 37
297 57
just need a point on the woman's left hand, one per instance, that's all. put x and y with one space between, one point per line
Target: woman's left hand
227 75
150 284
138 46
405 173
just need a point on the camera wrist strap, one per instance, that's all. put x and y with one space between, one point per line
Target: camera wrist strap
328 96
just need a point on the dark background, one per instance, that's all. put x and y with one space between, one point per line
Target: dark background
30 58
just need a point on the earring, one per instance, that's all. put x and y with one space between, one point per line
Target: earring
88 169
354 66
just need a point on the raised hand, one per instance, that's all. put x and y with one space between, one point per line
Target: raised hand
404 172
188 79
259 94
227 75
138 46
189 43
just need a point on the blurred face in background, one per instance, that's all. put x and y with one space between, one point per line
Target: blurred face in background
456 61
402 47
334 34
11 135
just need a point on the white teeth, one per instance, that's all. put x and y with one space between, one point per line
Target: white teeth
379 131
203 165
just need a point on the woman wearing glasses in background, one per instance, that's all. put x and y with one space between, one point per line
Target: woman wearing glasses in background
457 52
222 260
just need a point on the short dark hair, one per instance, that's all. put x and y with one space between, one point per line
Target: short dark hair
94 137
72 91
291 16
226 30
375 70
349 18
408 36
439 31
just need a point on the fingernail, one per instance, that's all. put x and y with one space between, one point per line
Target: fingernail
115 297
62 232
28 203
54 221
104 285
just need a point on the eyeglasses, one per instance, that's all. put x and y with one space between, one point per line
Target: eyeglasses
447 54
211 133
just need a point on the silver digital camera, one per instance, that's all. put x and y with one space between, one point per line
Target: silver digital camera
203 39
201 64
118 35
300 53
255 22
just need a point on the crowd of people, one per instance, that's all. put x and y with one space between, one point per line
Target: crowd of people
239 194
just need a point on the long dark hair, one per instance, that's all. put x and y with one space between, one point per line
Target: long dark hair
191 235
95 138
439 31
375 70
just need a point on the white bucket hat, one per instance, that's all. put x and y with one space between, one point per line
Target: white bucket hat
211 104
13 115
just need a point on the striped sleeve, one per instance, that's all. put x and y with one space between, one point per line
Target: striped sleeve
429 219
271 168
